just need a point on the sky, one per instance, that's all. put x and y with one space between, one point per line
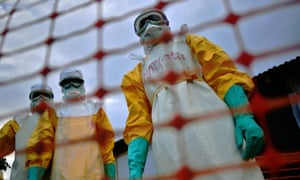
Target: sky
261 30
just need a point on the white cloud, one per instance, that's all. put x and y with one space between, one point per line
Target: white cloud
245 6
117 8
271 30
194 12
22 64
26 36
76 20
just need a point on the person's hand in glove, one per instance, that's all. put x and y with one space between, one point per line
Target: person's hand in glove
36 173
245 126
137 156
110 171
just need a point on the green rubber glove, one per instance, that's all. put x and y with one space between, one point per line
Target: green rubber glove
36 173
245 125
110 171
137 156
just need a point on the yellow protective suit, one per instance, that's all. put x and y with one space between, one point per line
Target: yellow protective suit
14 137
208 73
64 137
7 137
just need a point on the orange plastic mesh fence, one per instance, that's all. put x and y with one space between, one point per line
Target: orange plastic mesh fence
49 40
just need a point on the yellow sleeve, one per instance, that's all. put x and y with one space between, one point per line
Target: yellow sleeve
217 67
139 122
106 136
7 137
40 145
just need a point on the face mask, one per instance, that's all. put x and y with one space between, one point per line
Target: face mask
38 100
72 91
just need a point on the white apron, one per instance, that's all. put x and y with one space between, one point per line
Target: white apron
199 144
81 160
27 124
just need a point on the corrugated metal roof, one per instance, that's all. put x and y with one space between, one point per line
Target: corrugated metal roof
288 67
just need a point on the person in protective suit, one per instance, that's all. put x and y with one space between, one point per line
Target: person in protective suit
205 81
79 140
16 132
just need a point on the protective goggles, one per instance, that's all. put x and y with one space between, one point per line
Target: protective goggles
68 83
155 17
38 95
